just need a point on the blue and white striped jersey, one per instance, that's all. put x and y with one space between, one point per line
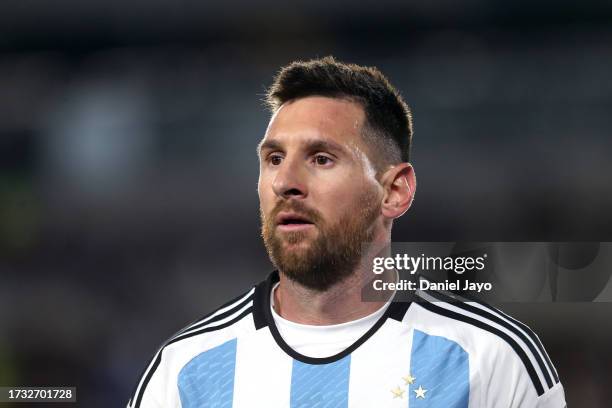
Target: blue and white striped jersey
432 352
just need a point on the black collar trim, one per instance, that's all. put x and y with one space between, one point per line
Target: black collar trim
262 315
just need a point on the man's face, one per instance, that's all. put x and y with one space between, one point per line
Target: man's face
319 197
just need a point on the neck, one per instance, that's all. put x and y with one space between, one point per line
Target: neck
341 303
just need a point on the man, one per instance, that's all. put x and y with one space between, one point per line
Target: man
334 175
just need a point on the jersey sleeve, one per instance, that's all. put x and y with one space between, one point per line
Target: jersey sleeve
514 380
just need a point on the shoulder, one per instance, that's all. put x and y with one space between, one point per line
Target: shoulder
210 332
496 342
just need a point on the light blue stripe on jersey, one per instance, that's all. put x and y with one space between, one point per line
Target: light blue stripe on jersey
208 379
441 367
320 385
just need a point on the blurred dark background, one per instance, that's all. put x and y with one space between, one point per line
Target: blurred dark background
128 172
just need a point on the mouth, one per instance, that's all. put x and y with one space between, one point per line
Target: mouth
288 221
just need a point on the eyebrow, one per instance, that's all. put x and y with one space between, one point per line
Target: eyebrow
268 145
311 144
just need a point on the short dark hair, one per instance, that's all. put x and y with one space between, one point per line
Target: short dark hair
388 122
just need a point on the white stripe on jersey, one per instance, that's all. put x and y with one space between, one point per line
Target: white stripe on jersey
263 373
374 375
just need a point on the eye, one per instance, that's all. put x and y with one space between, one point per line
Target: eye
275 159
322 160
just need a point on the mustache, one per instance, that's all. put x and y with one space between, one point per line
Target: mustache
298 207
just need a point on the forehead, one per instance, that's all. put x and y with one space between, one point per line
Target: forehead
320 117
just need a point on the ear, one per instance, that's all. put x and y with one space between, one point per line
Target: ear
399 184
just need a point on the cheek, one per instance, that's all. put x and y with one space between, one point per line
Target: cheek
261 192
336 197
265 193
348 197
345 185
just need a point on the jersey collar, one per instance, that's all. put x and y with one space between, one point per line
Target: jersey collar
263 318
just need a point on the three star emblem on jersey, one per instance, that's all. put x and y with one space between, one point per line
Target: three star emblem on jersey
398 392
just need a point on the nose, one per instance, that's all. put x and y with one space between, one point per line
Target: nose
289 180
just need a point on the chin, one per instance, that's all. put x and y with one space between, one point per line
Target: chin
295 238
300 246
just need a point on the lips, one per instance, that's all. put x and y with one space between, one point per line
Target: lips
290 219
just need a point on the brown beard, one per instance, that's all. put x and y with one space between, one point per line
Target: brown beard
333 254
